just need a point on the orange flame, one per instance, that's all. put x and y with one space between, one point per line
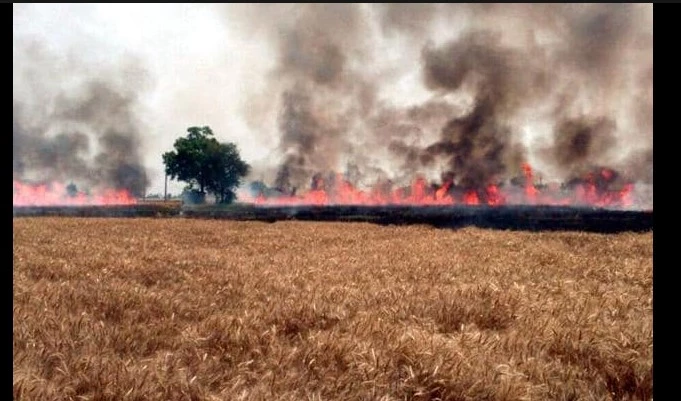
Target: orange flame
56 194
339 191
494 197
607 174
530 189
471 198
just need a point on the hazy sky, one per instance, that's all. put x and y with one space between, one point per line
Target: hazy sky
242 69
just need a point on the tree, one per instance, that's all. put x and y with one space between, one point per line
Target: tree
204 163
72 190
257 188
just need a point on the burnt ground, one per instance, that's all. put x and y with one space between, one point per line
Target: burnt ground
532 218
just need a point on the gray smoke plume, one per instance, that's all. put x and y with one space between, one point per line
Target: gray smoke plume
75 124
582 142
604 47
381 92
479 144
317 78
489 68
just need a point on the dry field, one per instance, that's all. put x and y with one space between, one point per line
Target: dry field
180 309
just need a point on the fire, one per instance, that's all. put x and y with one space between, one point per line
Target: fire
471 198
58 194
530 189
592 190
494 197
441 193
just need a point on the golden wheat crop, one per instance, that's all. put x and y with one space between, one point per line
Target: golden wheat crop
180 309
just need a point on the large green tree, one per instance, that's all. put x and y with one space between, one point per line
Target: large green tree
206 164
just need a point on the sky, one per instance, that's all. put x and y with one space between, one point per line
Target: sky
102 90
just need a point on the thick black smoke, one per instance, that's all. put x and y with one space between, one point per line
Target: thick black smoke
580 142
316 79
479 144
71 124
490 68
380 91
566 87
605 49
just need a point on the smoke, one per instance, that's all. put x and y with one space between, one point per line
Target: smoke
377 91
607 54
406 19
491 73
75 124
582 142
321 91
479 144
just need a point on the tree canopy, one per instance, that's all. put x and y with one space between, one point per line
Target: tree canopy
206 164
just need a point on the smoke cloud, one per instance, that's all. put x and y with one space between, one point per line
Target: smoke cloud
72 123
567 68
376 91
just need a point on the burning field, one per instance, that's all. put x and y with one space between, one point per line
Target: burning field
590 204
161 309
354 104
602 188
58 194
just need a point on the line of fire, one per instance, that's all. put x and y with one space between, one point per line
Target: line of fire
603 188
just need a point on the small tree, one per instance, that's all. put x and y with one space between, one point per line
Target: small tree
72 190
204 163
257 188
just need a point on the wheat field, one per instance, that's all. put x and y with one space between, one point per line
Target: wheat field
183 309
